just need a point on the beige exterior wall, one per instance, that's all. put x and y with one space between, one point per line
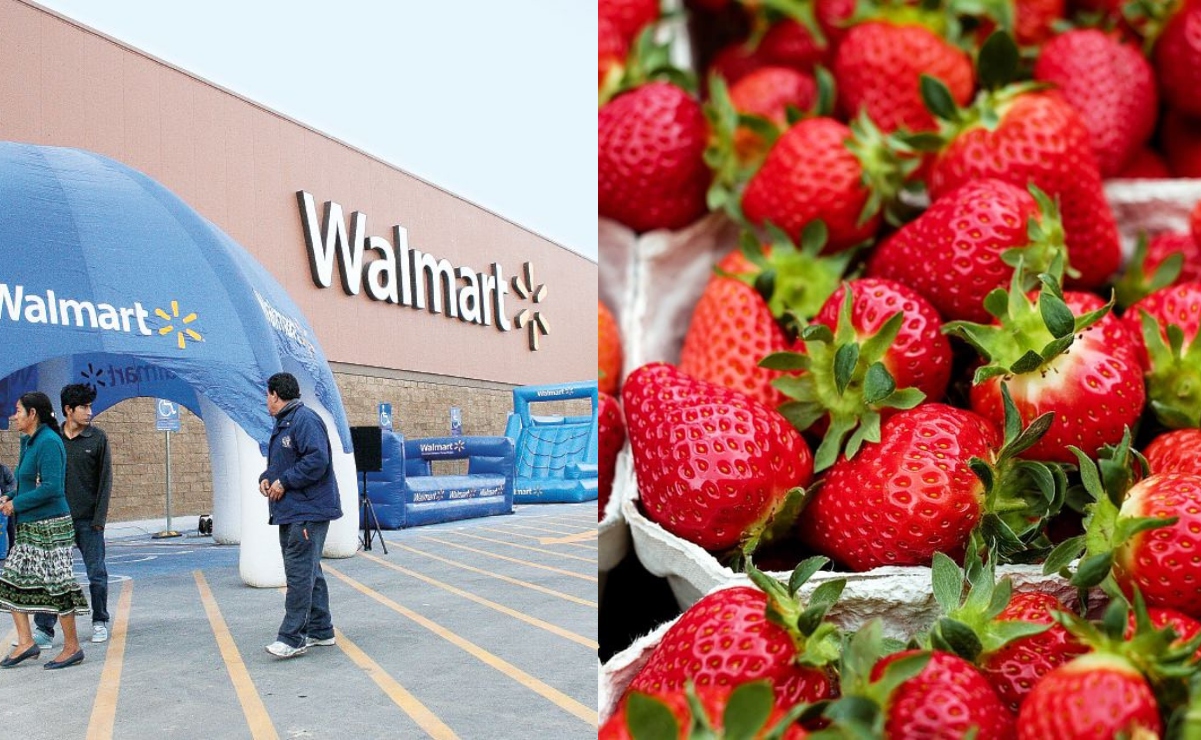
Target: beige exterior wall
421 407
240 165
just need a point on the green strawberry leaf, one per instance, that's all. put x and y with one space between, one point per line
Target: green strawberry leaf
878 384
938 98
1092 570
998 61
845 360
747 712
947 580
1058 317
804 571
649 719
1063 554
958 638
785 361
800 414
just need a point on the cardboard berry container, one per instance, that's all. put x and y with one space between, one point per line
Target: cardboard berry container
657 279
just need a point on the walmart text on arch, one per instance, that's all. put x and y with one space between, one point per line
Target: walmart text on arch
398 274
17 305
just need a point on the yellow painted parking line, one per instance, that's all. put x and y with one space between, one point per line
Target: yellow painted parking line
104 708
540 566
571 539
560 529
563 701
408 703
556 553
257 718
532 621
501 577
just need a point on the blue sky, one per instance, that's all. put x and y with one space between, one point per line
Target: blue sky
489 100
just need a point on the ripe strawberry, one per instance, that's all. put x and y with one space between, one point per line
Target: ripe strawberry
966 232
717 702
1161 561
878 66
914 493
608 350
731 330
611 50
867 353
788 43
946 699
1146 164
651 169
628 16
1177 451
1033 21
1112 86
1060 353
1036 19
816 170
740 634
1119 700
1194 224
1025 137
735 61
1186 627
1165 326
1177 57
1181 139
611 432
768 92
713 465
1014 668
1153 268
920 356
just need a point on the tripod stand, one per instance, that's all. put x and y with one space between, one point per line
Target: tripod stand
369 520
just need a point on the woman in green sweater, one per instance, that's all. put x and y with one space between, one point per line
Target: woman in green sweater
38 575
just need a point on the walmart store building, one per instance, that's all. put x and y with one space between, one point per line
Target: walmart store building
364 249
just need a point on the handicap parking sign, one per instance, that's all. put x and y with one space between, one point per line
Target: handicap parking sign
167 416
385 416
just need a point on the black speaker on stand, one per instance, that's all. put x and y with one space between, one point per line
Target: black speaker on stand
368 458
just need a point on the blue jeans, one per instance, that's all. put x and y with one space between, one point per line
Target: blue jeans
91 547
306 606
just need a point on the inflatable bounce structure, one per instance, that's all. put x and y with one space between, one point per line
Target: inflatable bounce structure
405 493
110 279
556 455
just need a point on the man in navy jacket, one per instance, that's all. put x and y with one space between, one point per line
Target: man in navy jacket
303 499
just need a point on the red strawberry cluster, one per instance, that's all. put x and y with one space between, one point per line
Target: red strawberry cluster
926 350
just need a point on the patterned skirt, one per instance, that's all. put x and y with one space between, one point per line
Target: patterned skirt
38 575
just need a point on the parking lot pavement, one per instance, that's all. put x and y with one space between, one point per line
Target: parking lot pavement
482 628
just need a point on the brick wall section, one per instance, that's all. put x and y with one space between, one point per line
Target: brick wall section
421 408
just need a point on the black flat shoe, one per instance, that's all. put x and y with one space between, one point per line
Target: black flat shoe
74 658
9 662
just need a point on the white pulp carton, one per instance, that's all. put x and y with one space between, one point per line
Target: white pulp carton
663 275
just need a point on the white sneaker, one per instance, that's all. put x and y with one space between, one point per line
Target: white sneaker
324 642
284 650
99 632
42 639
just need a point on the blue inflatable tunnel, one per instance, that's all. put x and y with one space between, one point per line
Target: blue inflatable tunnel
556 455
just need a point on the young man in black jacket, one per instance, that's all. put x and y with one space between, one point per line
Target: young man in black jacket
89 486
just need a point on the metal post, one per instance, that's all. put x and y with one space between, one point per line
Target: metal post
168 532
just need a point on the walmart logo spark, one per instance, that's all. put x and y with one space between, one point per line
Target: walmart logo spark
183 333
534 320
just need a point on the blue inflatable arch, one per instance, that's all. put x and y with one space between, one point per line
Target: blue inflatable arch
110 279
